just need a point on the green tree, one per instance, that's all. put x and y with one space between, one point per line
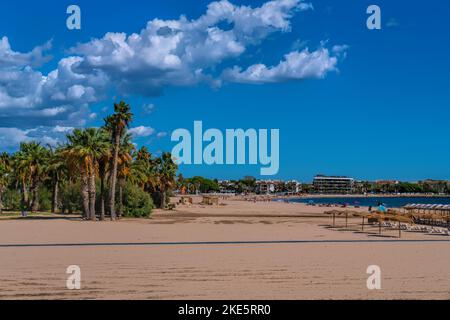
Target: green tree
31 162
117 125
56 167
84 149
167 170
5 173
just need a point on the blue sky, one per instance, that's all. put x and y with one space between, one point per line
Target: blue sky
379 111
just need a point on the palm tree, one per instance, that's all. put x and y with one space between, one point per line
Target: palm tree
103 167
117 124
5 170
31 162
85 148
139 168
55 168
145 170
167 170
124 167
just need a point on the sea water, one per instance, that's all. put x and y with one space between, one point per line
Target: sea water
391 202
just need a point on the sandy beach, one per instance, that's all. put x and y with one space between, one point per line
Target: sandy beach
238 250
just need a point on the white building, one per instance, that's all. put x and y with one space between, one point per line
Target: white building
333 184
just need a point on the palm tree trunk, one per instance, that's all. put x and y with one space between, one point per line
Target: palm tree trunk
92 196
163 199
55 193
85 194
25 203
35 203
35 196
120 200
113 178
1 199
102 196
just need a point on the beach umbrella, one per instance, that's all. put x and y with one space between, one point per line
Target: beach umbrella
346 217
363 215
431 216
399 219
379 217
333 213
347 214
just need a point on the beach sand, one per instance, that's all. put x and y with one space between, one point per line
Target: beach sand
239 250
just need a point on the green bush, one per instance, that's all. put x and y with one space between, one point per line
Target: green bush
12 200
70 198
136 202
45 199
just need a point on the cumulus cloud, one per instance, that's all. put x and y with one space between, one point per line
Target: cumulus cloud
10 138
12 59
297 65
142 131
27 97
178 52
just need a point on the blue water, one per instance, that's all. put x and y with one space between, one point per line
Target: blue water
390 202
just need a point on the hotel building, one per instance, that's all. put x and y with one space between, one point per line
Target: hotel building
333 185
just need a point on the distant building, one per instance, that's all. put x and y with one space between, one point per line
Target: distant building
266 186
227 186
271 186
333 184
435 186
387 182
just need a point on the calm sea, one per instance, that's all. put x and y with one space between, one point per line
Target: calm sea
392 202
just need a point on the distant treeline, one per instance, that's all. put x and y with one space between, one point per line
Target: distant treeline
436 187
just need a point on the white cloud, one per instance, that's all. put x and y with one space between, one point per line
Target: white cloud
178 52
161 135
297 65
340 50
13 59
181 52
148 108
142 131
12 137
60 129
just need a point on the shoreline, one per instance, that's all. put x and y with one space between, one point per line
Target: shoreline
307 196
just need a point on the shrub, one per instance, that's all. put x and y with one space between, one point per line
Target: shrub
136 202
70 198
12 200
45 199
